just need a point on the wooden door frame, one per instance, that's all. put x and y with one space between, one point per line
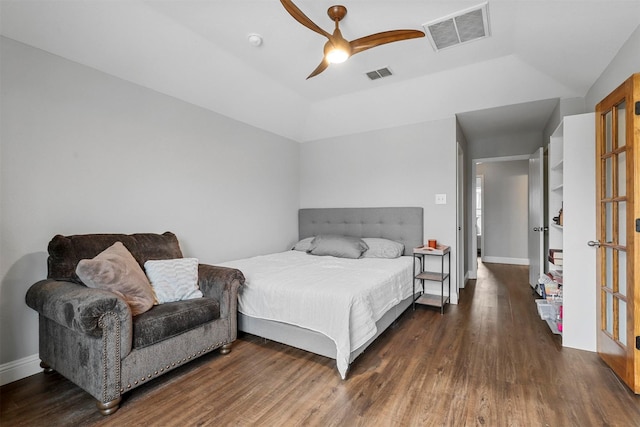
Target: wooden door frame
624 361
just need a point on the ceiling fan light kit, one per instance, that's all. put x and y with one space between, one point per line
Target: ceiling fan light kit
337 49
336 55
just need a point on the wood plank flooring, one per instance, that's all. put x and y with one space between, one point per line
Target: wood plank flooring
489 361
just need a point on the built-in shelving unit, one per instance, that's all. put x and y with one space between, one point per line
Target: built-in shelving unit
556 193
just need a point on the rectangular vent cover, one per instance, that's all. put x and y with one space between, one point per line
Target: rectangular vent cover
461 27
378 74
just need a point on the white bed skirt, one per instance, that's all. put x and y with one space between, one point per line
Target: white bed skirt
313 341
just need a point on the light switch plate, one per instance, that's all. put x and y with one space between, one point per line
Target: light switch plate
441 199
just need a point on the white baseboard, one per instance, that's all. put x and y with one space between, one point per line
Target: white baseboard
471 275
19 369
505 260
465 280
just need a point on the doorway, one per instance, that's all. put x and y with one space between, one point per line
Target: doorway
478 214
494 210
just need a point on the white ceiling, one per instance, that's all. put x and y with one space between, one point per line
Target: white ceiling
198 51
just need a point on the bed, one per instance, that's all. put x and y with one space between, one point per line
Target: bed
286 293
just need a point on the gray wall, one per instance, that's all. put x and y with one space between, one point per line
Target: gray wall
402 166
505 145
84 152
506 210
566 107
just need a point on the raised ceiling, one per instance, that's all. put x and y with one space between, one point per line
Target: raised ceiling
198 51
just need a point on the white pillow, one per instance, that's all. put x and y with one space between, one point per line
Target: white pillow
173 279
382 248
303 245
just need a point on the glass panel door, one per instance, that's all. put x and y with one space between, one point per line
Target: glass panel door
616 214
614 205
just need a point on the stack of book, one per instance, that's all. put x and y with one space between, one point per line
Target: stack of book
555 257
556 276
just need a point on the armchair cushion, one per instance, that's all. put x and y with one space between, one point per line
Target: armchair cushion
172 319
116 270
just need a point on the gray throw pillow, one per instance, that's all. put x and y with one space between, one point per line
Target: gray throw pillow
382 248
337 246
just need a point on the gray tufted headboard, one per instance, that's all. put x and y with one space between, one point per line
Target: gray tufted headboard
403 224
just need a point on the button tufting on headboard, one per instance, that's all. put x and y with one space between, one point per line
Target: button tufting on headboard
402 224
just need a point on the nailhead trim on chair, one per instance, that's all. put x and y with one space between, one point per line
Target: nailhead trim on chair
105 397
155 373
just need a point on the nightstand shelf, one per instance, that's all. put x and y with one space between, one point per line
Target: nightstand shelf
433 276
430 298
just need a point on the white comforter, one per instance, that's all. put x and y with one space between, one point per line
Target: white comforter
340 298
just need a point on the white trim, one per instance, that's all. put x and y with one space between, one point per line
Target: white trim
465 280
482 217
460 219
19 369
503 159
505 260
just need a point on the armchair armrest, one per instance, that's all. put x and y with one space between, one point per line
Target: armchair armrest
81 309
221 283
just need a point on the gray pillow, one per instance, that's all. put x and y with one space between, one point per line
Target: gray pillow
382 248
337 246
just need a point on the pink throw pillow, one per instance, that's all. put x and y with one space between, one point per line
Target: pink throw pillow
116 270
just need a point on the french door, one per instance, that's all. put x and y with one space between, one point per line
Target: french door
618 230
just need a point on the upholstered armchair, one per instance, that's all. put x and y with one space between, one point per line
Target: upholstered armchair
90 336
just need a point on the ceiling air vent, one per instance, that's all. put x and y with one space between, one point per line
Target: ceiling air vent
378 74
458 28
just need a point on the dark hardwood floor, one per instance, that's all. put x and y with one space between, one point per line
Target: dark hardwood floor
489 361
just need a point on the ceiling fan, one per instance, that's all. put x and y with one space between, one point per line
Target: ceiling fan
337 49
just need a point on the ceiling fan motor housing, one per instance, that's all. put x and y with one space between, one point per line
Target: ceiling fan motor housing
337 12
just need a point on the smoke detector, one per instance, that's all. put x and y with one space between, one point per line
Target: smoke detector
459 28
254 39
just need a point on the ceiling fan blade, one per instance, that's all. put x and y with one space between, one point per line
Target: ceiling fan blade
320 68
377 39
302 18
